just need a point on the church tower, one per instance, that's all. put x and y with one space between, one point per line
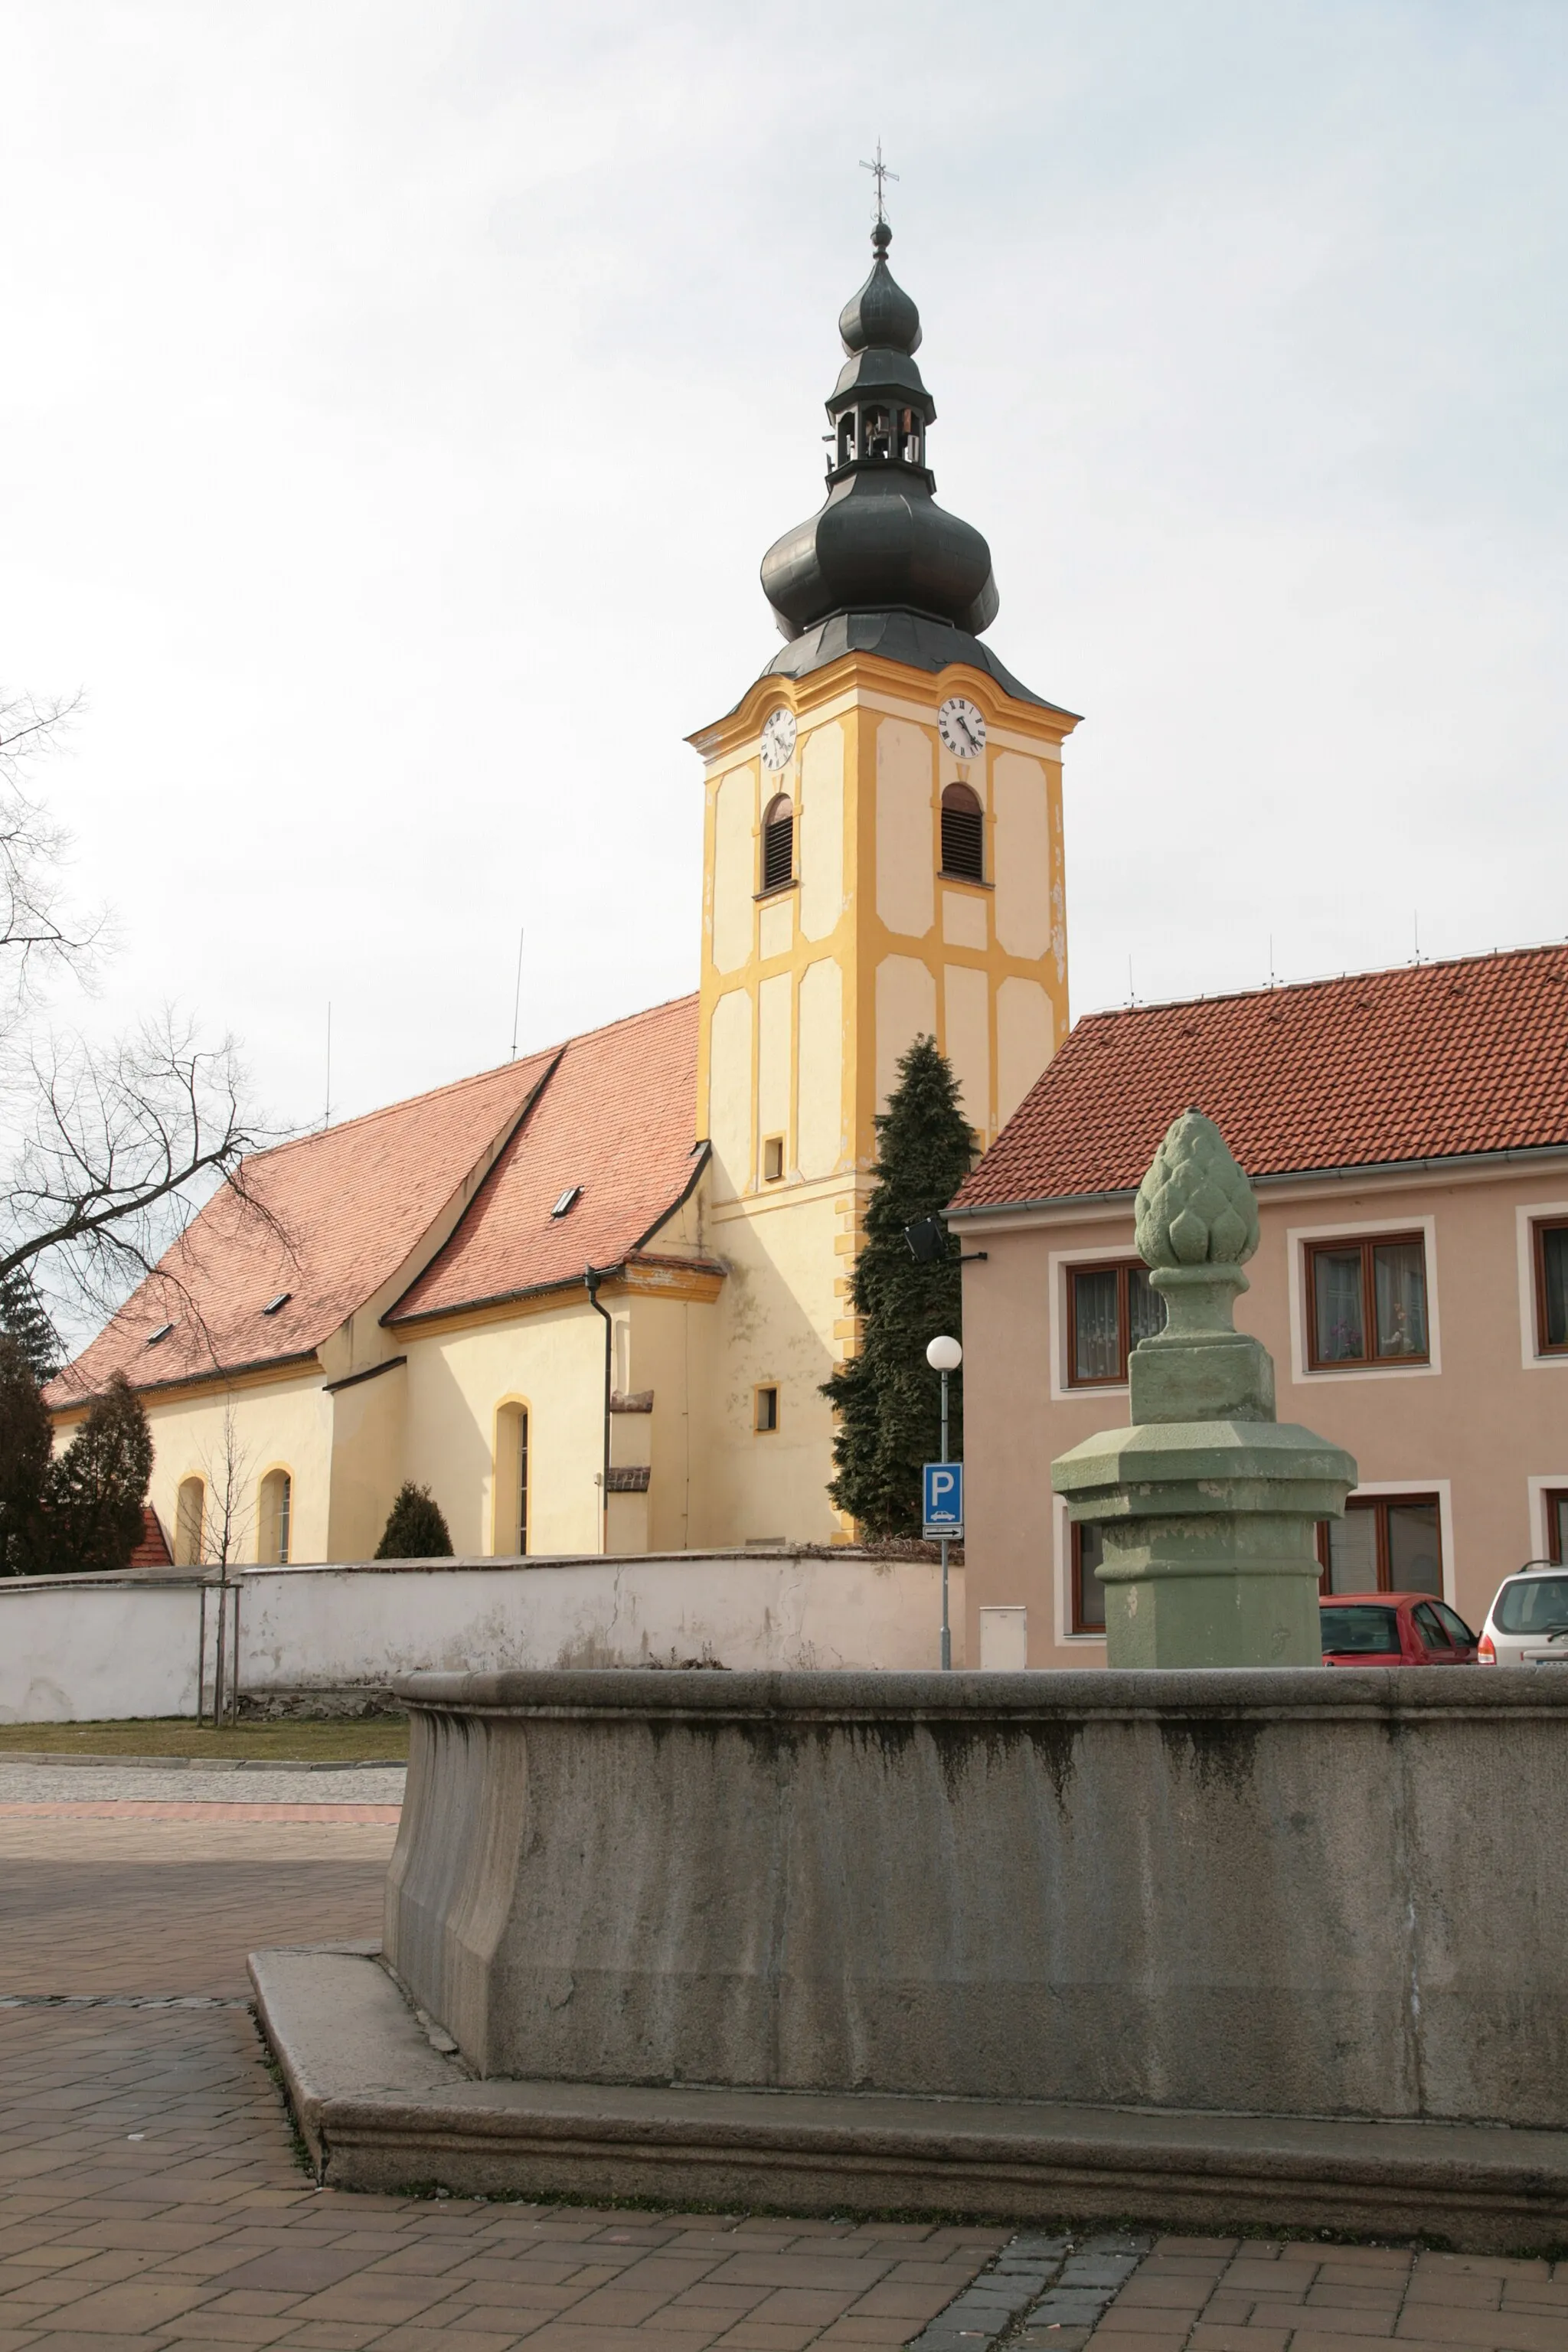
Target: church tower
883 860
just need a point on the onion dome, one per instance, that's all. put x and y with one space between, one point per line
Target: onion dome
880 544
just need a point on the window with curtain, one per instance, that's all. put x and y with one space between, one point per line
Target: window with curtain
1385 1543
1110 1308
1367 1302
1087 1592
1552 1288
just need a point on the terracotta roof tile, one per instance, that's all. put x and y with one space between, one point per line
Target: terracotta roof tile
615 1118
351 1203
1425 1062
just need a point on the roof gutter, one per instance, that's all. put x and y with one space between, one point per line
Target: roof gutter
1354 1172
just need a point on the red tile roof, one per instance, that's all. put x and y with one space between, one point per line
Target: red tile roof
611 1111
1427 1062
152 1550
616 1118
351 1204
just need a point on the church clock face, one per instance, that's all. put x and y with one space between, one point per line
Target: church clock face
962 727
778 738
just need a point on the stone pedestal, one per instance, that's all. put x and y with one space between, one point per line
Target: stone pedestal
1207 1506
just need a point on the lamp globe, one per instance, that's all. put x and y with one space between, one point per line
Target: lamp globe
944 1355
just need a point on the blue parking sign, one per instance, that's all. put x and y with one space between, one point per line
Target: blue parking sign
943 1498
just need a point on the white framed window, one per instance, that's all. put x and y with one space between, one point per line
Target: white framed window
1065 1267
1386 1552
1363 1301
1068 1565
1536 1225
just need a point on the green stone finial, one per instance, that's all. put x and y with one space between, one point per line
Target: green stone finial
1195 1206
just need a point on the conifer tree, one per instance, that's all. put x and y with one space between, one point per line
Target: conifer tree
26 1443
888 1396
416 1528
23 1317
95 1490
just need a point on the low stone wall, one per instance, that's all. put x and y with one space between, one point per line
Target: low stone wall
79 1649
1287 1893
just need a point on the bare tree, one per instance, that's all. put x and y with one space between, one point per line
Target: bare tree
225 1525
106 1151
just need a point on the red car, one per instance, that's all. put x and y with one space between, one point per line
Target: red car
1394 1629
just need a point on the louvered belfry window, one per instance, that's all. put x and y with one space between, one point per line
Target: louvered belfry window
962 835
778 843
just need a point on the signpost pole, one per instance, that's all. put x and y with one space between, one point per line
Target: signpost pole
946 1628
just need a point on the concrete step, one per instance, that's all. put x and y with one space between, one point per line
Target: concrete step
380 2108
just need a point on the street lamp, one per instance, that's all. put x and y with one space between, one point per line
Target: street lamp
944 1355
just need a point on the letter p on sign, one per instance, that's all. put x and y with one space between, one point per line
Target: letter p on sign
943 1483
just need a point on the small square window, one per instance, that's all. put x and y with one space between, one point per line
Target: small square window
1110 1308
767 1409
1366 1302
1551 1289
1087 1592
772 1159
568 1201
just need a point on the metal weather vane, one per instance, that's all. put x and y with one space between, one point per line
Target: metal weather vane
879 172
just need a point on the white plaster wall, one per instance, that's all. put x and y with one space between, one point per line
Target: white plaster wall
1024 1040
774 1057
966 1003
1022 855
906 1009
906 829
822 831
94 1652
734 825
82 1650
729 1093
281 1424
820 1142
553 1361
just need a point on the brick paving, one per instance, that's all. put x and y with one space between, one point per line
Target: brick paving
1229 2294
149 2196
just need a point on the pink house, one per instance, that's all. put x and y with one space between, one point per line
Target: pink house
1406 1132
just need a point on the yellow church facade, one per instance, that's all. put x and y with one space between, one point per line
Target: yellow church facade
590 1299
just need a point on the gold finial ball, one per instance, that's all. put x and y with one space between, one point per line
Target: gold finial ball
1195 1206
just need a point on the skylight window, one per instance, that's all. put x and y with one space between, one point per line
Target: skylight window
569 1200
274 1304
161 1332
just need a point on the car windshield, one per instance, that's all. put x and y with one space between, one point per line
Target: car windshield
1531 1604
1363 1627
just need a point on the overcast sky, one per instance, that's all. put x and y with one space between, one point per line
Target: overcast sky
399 396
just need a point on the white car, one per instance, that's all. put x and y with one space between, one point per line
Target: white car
1527 1624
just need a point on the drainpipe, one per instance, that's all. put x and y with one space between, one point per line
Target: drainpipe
592 1280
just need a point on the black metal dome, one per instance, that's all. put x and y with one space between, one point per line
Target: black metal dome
880 544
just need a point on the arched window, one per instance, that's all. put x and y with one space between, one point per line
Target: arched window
778 843
909 447
876 433
512 1483
276 1511
962 835
846 437
190 1511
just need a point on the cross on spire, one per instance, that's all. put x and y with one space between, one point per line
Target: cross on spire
880 171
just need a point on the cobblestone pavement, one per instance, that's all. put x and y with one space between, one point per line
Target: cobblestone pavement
149 2196
241 1782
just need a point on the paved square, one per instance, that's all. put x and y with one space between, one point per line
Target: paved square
150 2195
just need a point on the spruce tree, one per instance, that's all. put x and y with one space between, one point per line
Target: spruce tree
26 1443
22 1315
94 1493
888 1396
416 1528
